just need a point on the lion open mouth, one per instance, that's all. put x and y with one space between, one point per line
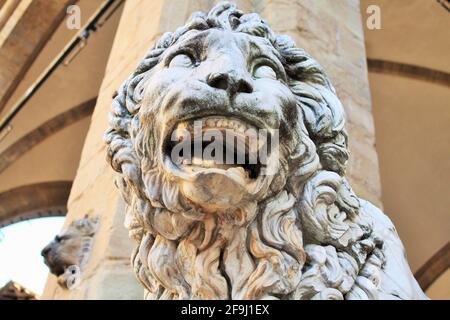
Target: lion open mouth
218 143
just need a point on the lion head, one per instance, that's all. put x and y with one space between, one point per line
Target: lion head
219 231
66 255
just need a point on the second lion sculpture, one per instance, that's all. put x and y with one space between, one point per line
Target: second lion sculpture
211 231
67 255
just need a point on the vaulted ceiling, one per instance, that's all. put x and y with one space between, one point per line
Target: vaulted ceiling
44 143
409 75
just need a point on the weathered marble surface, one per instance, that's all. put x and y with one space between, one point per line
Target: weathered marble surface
217 233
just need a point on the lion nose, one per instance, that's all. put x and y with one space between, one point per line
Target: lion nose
230 82
45 251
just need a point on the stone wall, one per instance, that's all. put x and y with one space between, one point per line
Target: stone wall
331 31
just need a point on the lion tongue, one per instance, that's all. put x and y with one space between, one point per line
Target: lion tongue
238 174
218 188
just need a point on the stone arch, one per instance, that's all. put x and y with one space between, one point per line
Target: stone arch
44 131
434 267
34 201
409 71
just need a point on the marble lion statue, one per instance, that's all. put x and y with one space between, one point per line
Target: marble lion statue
208 230
67 254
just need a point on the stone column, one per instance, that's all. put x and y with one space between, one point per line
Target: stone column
331 31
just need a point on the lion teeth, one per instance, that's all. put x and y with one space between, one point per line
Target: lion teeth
210 123
197 161
209 163
235 125
179 134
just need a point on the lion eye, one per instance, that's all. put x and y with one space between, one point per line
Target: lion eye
265 71
181 60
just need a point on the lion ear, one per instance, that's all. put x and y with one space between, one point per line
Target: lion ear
325 119
323 113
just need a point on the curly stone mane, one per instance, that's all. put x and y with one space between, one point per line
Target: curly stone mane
308 237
